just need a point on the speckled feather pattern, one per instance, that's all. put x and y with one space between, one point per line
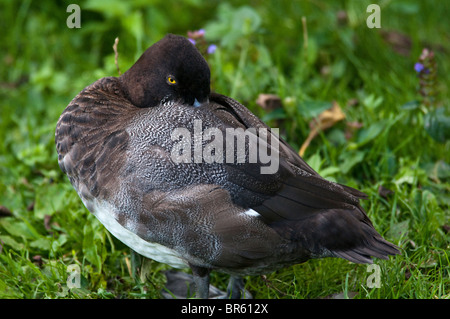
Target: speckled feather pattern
223 216
142 188
119 155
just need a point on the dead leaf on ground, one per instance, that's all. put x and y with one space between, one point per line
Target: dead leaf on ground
269 101
30 206
325 120
384 192
47 219
37 260
353 102
400 43
5 212
351 128
446 228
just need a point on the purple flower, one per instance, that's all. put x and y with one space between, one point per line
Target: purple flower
212 48
419 67
192 41
201 32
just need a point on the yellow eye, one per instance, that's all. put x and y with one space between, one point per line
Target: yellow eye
171 80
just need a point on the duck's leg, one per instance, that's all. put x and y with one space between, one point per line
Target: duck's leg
236 289
180 285
201 280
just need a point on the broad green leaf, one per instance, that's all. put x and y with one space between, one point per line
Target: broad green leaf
50 198
11 242
311 109
350 160
437 124
315 161
93 242
399 229
369 133
41 243
372 102
19 228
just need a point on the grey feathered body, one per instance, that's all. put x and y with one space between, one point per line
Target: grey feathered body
223 216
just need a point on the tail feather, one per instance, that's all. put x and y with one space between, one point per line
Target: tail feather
377 247
345 233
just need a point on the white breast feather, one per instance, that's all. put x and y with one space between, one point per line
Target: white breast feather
105 214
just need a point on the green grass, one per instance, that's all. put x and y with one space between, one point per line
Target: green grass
402 144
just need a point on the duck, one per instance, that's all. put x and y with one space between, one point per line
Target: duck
147 153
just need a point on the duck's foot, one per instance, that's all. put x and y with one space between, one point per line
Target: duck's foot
181 285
